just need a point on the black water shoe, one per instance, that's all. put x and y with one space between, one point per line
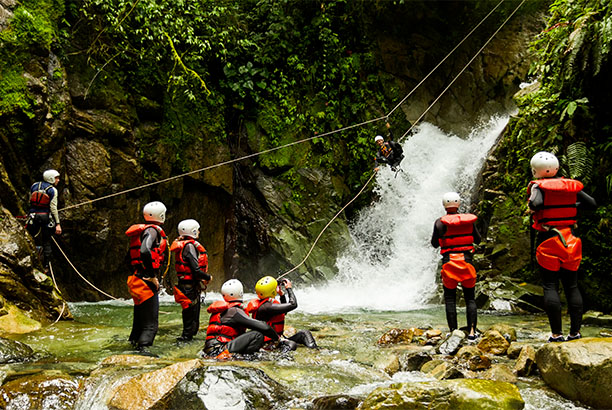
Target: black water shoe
556 339
574 337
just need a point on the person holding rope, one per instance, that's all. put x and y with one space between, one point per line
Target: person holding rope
43 217
191 265
148 244
272 311
456 235
390 152
553 203
226 332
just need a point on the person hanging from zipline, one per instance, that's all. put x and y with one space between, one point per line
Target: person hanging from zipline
191 265
456 234
148 244
390 152
554 203
43 219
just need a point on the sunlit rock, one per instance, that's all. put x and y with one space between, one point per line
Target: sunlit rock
396 336
579 370
526 363
498 372
493 342
52 390
336 402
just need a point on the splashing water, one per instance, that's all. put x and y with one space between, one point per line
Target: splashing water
391 265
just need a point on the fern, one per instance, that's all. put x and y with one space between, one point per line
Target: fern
579 161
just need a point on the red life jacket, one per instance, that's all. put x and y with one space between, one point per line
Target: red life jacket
39 198
458 236
182 268
215 329
276 322
157 254
559 202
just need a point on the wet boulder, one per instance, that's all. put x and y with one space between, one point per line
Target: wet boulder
446 370
597 319
447 394
478 363
579 370
503 294
396 336
507 331
452 344
336 402
526 362
499 372
414 360
493 342
52 390
12 351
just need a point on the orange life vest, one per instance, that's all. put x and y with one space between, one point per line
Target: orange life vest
385 149
39 198
276 322
559 202
215 329
458 236
182 268
134 232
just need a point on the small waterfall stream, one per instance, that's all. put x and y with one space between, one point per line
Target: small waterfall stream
391 265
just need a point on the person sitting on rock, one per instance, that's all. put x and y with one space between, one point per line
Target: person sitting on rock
272 311
456 234
191 265
553 202
43 219
390 152
226 333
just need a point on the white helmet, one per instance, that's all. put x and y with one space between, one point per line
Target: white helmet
451 200
544 164
378 138
232 290
154 212
50 175
189 227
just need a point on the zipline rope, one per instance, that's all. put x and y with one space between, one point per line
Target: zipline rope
385 117
462 70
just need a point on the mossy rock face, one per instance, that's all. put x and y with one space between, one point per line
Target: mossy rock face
459 394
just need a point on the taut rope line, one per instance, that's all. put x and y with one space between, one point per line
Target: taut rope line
462 70
385 117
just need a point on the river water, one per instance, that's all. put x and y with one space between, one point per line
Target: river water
386 280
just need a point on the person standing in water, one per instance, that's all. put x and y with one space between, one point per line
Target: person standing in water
148 244
554 203
456 234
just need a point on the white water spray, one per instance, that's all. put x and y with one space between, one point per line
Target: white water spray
391 265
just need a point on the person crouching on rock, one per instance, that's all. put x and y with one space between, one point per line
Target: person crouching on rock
226 333
456 234
191 265
148 244
267 308
553 202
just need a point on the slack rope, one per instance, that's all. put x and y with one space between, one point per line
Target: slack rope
58 291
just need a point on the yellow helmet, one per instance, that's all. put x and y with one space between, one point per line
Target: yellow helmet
266 287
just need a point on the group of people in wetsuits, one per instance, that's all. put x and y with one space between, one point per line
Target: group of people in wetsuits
226 333
553 203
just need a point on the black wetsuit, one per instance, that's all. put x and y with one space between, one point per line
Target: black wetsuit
268 310
146 314
192 289
569 279
249 342
42 220
450 295
394 153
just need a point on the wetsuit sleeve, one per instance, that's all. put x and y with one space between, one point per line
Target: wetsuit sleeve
585 201
190 255
272 309
438 232
536 200
476 235
240 319
148 240
380 158
53 205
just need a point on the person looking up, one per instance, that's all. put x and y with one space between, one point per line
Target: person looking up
554 203
455 234
390 152
148 244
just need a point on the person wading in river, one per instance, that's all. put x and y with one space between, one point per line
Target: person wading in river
228 323
553 202
456 234
191 265
390 152
148 244
272 311
43 218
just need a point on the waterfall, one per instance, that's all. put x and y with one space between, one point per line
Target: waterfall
391 265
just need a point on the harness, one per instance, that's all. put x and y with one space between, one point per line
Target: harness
183 271
559 209
134 232
459 233
217 330
277 322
